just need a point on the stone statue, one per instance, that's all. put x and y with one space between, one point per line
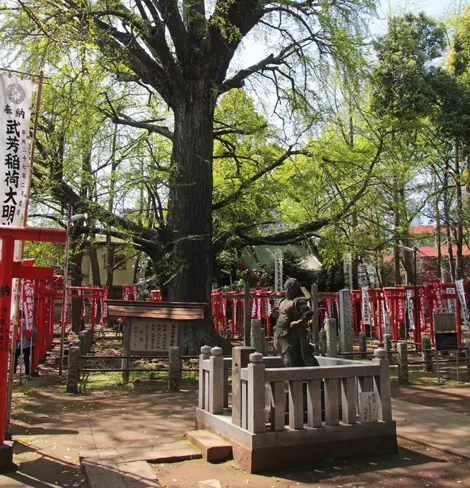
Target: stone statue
291 334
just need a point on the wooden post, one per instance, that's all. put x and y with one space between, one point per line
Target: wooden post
240 359
362 342
331 338
426 350
73 375
205 354
403 377
316 316
125 362
256 394
382 385
174 366
216 381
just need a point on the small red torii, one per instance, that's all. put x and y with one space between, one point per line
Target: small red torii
10 269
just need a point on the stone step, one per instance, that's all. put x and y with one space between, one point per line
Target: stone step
108 474
212 446
160 453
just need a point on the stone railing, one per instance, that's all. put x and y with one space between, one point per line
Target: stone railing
342 400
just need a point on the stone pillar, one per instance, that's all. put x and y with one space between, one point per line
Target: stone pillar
73 374
240 359
316 316
426 349
255 338
174 366
382 385
388 346
216 381
256 394
345 322
403 377
362 342
322 336
331 338
203 385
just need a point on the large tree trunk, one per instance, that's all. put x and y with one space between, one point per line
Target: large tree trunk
458 229
447 223
396 234
438 236
189 212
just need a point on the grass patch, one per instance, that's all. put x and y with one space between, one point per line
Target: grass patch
421 378
139 382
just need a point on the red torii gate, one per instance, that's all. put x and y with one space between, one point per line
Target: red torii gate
95 293
10 269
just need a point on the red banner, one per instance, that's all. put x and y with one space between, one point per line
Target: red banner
401 309
436 286
28 306
134 292
422 307
104 304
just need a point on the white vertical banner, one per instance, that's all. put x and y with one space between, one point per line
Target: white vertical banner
451 302
366 314
463 302
15 162
409 306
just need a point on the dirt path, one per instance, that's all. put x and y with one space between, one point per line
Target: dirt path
414 467
51 427
454 399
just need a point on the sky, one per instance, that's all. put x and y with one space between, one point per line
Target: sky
433 8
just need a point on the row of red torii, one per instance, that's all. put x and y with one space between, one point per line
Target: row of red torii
370 308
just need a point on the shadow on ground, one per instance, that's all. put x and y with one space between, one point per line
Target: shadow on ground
39 470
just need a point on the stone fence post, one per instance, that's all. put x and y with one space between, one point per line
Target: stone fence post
73 374
174 369
240 359
256 394
216 381
203 384
382 385
331 339
403 377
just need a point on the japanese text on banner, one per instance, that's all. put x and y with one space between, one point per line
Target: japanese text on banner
15 164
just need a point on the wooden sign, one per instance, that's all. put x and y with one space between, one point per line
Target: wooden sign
149 336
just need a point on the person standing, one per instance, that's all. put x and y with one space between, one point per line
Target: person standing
24 346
